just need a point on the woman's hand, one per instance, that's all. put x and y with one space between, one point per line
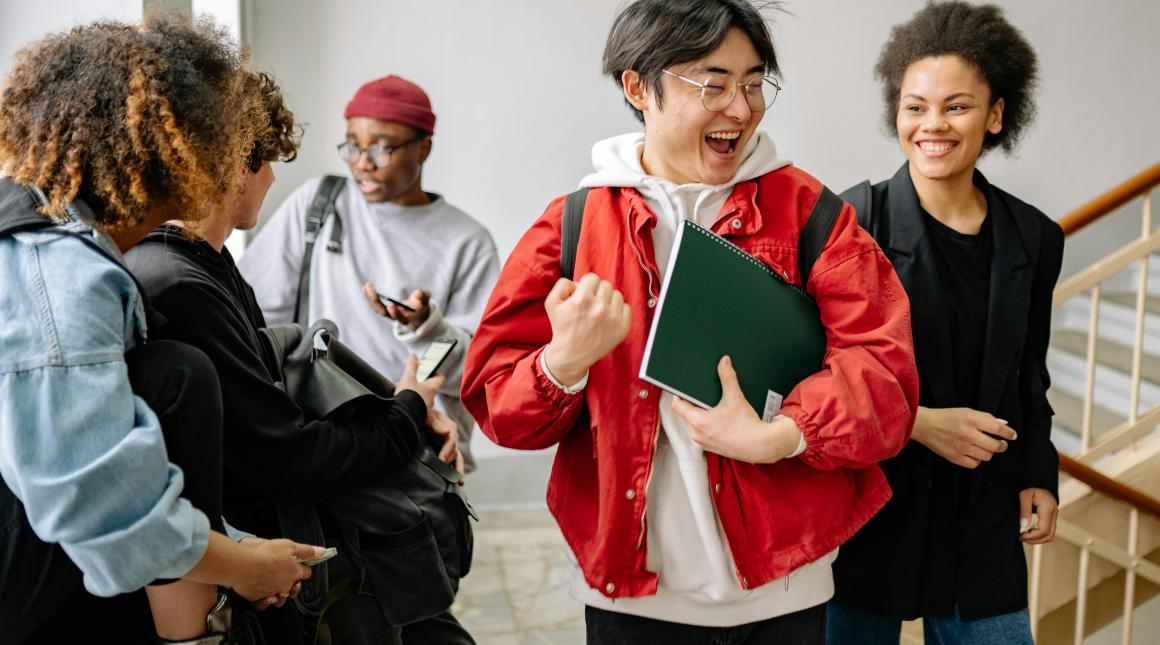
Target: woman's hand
589 318
427 389
732 429
269 570
962 436
1040 504
276 600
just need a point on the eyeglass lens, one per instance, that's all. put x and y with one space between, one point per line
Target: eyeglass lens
378 154
718 91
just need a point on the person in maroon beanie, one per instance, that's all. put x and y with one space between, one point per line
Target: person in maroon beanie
384 235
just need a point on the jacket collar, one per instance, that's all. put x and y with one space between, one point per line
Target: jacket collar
740 207
18 207
1010 287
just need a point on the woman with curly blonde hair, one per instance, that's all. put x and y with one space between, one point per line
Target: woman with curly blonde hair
110 449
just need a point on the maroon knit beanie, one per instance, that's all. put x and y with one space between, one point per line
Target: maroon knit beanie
394 100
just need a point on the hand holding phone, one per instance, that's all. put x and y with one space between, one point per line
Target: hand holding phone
329 553
436 353
388 301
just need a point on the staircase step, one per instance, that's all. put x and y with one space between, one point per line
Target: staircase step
1109 353
1151 303
1069 414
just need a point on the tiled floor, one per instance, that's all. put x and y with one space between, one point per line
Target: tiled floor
517 591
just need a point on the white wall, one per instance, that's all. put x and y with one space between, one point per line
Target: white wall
22 21
517 88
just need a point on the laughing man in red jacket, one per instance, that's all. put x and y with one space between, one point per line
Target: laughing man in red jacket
689 525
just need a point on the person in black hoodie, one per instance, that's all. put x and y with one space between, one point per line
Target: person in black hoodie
979 478
272 452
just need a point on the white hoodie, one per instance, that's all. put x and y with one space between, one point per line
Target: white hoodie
686 546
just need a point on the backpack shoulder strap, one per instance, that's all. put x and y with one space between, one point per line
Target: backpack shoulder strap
861 197
320 208
570 230
816 232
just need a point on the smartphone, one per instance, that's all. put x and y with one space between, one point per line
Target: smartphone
329 553
388 301
436 353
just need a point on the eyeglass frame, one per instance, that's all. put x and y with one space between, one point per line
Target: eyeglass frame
389 150
733 93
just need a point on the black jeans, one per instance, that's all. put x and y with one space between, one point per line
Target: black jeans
42 599
805 627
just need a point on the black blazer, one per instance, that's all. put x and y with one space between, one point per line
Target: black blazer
925 552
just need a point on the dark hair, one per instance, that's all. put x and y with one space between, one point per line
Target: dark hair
983 38
131 116
277 136
652 35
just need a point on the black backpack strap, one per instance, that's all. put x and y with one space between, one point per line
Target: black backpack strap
570 230
320 209
817 231
861 197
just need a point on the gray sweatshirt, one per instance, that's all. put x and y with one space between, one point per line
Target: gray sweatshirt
436 247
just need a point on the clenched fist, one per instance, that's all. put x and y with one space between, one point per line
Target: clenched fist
589 318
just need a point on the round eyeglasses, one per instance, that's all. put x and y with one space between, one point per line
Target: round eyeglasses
379 154
718 90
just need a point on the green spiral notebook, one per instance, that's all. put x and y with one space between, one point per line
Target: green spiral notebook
718 300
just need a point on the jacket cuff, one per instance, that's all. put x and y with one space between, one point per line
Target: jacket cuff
1040 467
547 386
414 405
568 389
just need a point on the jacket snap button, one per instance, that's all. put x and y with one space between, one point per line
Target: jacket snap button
736 223
643 393
629 494
652 302
717 487
610 587
744 582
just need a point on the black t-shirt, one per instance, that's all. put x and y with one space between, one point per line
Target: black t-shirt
963 263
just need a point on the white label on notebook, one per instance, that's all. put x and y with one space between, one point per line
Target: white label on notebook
772 406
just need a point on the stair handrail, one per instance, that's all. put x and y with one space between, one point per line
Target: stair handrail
1109 487
1111 200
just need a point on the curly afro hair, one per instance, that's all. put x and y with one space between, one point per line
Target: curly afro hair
130 117
982 37
276 135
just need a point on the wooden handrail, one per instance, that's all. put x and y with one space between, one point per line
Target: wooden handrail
1110 200
1105 485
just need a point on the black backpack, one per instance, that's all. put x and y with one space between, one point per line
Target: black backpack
410 534
811 241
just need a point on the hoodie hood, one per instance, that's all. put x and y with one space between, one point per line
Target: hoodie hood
617 163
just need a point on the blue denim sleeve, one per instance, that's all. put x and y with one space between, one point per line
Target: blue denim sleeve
84 455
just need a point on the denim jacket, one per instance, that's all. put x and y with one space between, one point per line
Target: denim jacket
77 447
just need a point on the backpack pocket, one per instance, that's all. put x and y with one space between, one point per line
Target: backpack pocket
406 571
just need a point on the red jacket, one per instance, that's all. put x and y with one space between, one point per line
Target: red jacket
856 411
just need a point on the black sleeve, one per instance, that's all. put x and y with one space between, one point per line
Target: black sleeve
1040 467
268 442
